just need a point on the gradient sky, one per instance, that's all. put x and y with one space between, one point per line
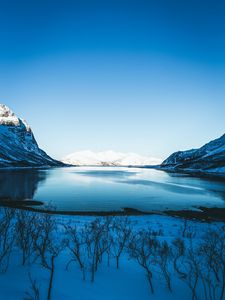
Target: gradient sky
140 76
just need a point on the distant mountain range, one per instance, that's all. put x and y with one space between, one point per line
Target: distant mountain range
18 147
209 159
108 158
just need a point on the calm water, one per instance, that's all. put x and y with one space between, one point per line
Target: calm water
106 189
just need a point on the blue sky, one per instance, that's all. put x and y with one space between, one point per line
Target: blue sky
141 76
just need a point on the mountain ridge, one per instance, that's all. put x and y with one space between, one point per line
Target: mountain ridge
208 159
108 158
18 147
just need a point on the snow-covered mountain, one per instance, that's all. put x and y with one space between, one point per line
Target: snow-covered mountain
210 158
108 158
18 147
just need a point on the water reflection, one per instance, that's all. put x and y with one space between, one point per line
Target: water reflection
20 184
113 174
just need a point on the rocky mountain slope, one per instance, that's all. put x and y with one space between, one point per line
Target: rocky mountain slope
108 158
210 158
18 147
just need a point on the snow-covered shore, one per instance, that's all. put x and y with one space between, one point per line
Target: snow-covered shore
129 282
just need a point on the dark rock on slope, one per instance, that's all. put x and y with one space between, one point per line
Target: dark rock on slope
18 147
209 159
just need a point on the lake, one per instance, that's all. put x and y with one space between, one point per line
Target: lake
110 189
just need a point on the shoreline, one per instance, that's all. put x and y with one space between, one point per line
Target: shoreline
199 213
188 173
191 173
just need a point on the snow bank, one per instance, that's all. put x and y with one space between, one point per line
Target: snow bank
129 282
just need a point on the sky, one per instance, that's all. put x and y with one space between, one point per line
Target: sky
130 76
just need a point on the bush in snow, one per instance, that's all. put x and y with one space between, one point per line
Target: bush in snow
6 237
143 248
120 233
212 272
26 231
76 243
34 293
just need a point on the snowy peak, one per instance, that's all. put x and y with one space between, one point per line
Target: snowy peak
108 158
210 158
7 117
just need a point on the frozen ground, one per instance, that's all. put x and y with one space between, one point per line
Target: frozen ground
129 282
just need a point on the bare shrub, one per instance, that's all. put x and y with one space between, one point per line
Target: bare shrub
187 230
6 236
120 234
186 261
26 229
201 264
192 267
97 243
43 237
47 246
212 251
178 251
76 242
163 259
142 248
34 293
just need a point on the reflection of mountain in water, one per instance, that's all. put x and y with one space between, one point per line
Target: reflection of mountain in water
19 184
